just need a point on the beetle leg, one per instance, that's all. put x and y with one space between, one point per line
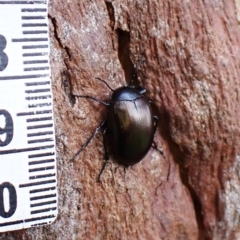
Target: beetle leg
93 98
106 155
105 144
88 141
154 146
155 123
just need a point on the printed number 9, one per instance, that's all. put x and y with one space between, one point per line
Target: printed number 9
3 55
7 129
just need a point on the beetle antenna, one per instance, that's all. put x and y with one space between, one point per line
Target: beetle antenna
93 98
105 83
136 70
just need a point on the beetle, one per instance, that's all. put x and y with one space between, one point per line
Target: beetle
130 125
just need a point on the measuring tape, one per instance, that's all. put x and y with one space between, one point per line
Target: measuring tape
28 193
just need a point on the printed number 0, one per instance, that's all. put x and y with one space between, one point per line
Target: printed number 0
12 200
3 55
8 129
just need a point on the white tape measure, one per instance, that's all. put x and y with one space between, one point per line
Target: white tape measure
28 193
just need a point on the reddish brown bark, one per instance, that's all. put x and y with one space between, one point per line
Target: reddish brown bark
191 73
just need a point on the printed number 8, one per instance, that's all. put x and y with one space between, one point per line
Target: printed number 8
8 128
3 55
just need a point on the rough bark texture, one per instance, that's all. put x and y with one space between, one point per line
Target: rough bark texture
191 73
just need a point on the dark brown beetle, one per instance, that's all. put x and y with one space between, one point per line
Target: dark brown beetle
130 125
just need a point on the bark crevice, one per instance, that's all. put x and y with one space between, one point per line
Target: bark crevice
61 45
124 54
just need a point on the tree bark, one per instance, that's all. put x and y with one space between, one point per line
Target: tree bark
191 72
